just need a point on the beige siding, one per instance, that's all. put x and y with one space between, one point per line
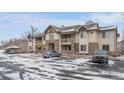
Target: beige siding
76 37
92 36
43 41
110 40
83 41
55 35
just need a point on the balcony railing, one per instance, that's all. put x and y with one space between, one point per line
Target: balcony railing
67 40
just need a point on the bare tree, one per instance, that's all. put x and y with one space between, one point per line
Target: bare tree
3 42
33 29
31 32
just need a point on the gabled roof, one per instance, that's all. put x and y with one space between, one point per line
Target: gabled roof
13 47
91 26
71 28
88 26
108 27
54 27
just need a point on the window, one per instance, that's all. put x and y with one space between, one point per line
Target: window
83 34
105 47
83 47
51 36
91 32
65 36
67 48
105 34
30 47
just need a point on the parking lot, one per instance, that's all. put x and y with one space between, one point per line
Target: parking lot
23 67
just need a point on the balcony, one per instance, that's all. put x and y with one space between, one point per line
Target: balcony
67 41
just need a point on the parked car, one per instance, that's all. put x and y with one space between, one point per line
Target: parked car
51 54
101 56
8 51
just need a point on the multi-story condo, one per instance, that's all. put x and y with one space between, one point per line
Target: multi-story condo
120 47
36 42
81 39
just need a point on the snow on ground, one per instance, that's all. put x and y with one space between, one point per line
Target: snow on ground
32 76
4 69
121 58
80 61
14 76
110 62
38 68
90 77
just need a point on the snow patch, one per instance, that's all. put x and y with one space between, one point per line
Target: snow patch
80 61
110 62
4 69
90 77
14 76
121 58
32 76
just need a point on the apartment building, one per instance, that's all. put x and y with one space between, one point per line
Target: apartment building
120 47
36 42
80 39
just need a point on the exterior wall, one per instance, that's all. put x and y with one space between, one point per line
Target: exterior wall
56 41
56 45
77 37
31 44
68 41
56 36
76 48
68 52
60 50
110 40
43 41
120 47
83 41
96 37
93 36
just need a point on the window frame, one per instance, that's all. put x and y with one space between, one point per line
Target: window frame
106 47
81 34
83 47
51 36
105 34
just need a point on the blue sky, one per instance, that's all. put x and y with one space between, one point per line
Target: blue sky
14 24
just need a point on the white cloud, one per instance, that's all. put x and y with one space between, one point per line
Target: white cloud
102 18
37 21
43 22
107 18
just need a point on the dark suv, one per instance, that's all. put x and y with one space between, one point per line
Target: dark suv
51 54
101 56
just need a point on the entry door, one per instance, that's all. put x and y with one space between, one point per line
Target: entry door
51 46
93 47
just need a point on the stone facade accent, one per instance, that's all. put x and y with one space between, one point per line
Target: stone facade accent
93 47
76 48
56 45
69 40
